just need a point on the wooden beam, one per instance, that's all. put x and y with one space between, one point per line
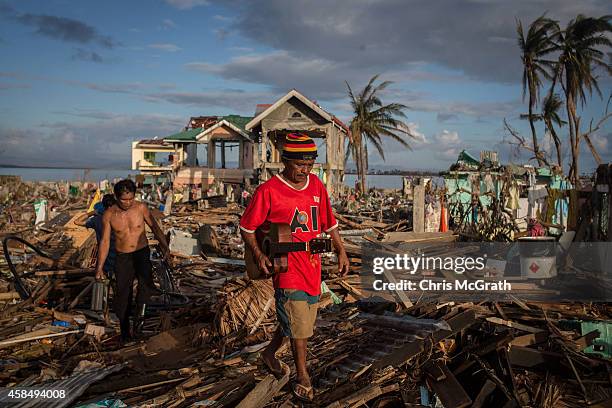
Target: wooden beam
264 391
530 339
449 390
364 395
528 357
514 325
486 390
418 209
9 296
586 340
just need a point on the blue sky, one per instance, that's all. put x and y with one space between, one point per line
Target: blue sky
79 80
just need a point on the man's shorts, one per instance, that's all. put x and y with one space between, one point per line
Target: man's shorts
296 312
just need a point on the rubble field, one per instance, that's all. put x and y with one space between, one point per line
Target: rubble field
204 333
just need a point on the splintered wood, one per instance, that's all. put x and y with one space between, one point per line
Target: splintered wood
242 304
202 345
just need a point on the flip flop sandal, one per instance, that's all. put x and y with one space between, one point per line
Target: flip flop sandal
302 392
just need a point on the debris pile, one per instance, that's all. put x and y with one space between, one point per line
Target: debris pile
203 338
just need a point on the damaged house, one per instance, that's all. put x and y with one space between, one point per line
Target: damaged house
244 150
296 113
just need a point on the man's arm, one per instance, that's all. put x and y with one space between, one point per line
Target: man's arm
262 260
104 245
343 262
81 220
157 231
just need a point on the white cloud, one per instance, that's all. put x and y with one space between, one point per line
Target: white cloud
186 4
447 145
165 47
168 24
601 142
225 19
419 137
447 138
103 140
241 49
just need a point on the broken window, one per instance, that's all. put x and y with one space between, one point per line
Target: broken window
202 155
227 154
149 156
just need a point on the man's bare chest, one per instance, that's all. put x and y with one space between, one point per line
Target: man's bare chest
127 221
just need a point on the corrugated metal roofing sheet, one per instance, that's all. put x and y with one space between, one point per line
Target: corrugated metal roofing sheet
74 385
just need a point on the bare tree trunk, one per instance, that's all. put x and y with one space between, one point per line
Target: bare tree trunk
357 160
364 165
577 138
571 119
536 149
356 146
557 141
592 148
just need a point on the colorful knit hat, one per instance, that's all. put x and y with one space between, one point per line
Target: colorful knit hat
299 146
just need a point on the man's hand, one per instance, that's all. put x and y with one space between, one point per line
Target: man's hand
343 263
99 274
263 262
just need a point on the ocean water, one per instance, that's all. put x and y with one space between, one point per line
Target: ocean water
40 174
95 175
376 180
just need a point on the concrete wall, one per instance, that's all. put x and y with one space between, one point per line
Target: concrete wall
206 176
138 154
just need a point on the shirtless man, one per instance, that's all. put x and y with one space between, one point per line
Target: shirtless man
126 219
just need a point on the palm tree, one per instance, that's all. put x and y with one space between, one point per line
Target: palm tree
550 117
371 121
577 62
534 47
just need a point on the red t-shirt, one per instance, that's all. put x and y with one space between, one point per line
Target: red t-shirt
309 213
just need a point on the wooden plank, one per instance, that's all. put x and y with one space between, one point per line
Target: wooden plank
434 371
413 236
11 342
264 391
209 242
530 339
528 357
226 261
65 272
486 390
79 235
400 293
356 293
364 395
9 296
586 340
450 392
514 325
418 209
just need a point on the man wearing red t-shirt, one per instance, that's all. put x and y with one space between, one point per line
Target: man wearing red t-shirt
297 198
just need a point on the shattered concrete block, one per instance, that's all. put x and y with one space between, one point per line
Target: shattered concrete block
183 242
